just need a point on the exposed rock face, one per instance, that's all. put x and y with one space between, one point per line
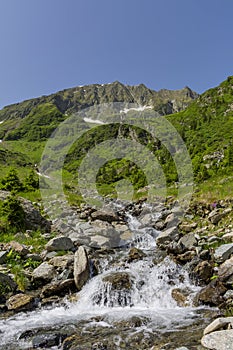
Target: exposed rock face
20 302
59 243
81 267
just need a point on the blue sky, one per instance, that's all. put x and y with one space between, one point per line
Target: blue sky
50 45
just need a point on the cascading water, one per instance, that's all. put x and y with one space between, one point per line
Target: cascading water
122 289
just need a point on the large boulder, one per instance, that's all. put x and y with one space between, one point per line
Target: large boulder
60 288
219 323
188 241
219 340
81 267
59 243
119 280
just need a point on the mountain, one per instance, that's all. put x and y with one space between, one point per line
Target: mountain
205 123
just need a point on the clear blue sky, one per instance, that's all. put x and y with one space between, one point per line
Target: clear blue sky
50 45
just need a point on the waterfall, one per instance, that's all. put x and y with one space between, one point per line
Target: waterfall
146 292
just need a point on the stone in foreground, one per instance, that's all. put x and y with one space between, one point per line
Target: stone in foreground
81 267
220 340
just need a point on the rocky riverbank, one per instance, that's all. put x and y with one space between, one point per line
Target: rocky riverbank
196 249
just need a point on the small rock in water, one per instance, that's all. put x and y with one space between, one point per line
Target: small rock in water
46 340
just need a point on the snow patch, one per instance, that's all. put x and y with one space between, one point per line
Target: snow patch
139 109
94 121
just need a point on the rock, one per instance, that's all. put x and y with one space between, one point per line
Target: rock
60 288
180 296
20 302
33 218
172 220
135 254
119 280
228 295
7 284
44 272
105 215
59 243
20 249
188 241
3 256
228 237
167 236
188 227
225 270
34 257
204 271
81 267
185 257
47 340
219 340
62 262
219 323
223 252
212 293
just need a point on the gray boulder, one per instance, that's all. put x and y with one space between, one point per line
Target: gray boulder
188 241
44 272
223 252
219 340
81 267
165 237
218 324
59 243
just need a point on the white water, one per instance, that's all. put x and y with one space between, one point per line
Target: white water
149 296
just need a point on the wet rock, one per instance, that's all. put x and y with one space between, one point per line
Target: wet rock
180 296
59 243
81 267
135 254
219 323
212 294
223 252
60 288
167 236
105 215
219 340
20 302
44 272
47 340
3 256
119 280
